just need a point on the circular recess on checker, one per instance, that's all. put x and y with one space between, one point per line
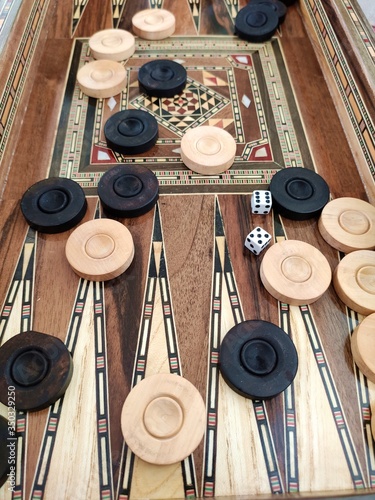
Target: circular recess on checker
40 368
54 205
154 24
363 346
256 23
208 150
258 360
298 193
102 79
128 190
162 78
348 224
112 44
295 272
279 7
100 249
163 419
354 281
131 132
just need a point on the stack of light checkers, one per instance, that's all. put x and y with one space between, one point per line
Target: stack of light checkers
106 76
259 20
348 224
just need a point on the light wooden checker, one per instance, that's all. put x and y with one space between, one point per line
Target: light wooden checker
363 347
154 24
208 150
348 224
354 281
295 272
163 419
112 44
100 250
102 78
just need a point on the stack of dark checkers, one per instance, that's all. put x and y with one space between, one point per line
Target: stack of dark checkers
4 450
257 22
128 190
298 193
162 78
257 359
40 368
131 132
54 205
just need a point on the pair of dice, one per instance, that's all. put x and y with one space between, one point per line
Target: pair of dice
258 238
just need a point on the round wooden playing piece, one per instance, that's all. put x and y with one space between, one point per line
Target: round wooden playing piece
100 249
40 368
162 78
154 24
354 281
279 7
4 450
163 419
256 22
54 205
112 44
295 272
257 359
363 347
348 224
130 132
128 190
298 193
102 78
208 150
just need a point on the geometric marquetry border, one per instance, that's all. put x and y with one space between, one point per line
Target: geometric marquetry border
12 92
365 32
361 121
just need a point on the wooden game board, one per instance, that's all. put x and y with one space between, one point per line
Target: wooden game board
191 279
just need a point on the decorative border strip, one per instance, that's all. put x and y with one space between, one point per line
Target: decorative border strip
284 124
17 77
260 411
333 398
156 277
22 282
361 121
364 34
49 438
290 417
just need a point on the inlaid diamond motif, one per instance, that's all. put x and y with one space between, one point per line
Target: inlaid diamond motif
192 107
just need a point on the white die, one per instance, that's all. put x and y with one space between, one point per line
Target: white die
261 202
257 240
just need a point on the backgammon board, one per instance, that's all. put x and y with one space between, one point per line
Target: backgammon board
302 99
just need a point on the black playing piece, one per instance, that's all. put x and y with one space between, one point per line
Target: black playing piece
54 205
5 450
279 7
39 366
131 132
258 359
128 190
256 22
162 78
298 193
